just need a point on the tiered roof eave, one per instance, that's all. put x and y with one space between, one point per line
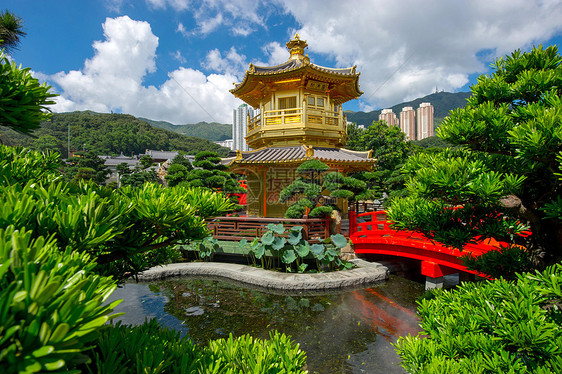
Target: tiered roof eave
343 82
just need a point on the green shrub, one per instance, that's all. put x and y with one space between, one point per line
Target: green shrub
496 327
50 304
248 355
149 348
19 165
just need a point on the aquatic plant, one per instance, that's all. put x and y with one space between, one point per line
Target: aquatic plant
284 249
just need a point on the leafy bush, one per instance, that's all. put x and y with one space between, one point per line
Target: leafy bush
50 304
498 326
149 348
506 261
116 227
24 100
19 165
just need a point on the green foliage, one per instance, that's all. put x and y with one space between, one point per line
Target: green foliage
313 179
23 101
139 177
19 165
498 326
149 348
208 173
86 166
110 134
146 161
391 150
511 131
50 303
11 29
431 142
206 248
213 131
116 226
288 250
507 262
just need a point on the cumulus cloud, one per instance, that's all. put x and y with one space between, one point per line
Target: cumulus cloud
113 80
405 49
232 63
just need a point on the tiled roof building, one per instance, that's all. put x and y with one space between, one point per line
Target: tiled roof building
299 118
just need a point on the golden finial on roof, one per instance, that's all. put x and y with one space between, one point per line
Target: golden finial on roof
296 47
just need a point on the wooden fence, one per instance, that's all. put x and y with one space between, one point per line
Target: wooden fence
236 228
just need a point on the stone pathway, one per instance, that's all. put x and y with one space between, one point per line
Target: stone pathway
364 274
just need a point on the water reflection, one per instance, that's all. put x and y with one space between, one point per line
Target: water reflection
345 332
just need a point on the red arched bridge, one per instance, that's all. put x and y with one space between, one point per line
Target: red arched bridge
371 234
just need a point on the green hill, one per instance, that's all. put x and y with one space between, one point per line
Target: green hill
443 103
212 131
106 134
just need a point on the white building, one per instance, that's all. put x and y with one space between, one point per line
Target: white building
425 121
228 143
389 117
408 122
240 126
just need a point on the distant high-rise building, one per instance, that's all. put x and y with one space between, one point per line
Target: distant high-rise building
388 116
425 121
240 126
408 122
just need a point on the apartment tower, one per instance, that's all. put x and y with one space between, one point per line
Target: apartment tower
425 121
240 126
389 117
408 122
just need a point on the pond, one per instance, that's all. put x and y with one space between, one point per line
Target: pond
341 332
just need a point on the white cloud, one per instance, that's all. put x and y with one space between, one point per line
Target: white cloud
177 5
179 57
276 52
240 17
415 46
113 80
182 30
232 63
209 25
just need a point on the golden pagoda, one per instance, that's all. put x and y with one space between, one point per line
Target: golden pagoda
299 118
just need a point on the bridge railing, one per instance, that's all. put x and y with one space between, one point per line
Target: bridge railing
374 227
237 228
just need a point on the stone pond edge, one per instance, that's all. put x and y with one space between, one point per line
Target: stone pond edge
364 274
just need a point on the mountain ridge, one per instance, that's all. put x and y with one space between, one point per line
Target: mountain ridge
443 103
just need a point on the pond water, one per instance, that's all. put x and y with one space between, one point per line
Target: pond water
341 332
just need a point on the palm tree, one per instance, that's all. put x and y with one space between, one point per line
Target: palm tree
11 29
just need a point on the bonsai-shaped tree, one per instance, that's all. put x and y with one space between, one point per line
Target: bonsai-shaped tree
308 184
86 166
312 181
505 179
208 173
178 170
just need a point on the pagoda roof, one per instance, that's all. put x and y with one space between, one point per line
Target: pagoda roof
295 65
298 154
342 83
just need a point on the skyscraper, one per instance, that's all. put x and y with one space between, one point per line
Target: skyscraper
389 117
240 126
408 122
425 121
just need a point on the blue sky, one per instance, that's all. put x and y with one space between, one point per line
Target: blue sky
175 60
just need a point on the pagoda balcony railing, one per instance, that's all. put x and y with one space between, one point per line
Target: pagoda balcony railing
312 117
